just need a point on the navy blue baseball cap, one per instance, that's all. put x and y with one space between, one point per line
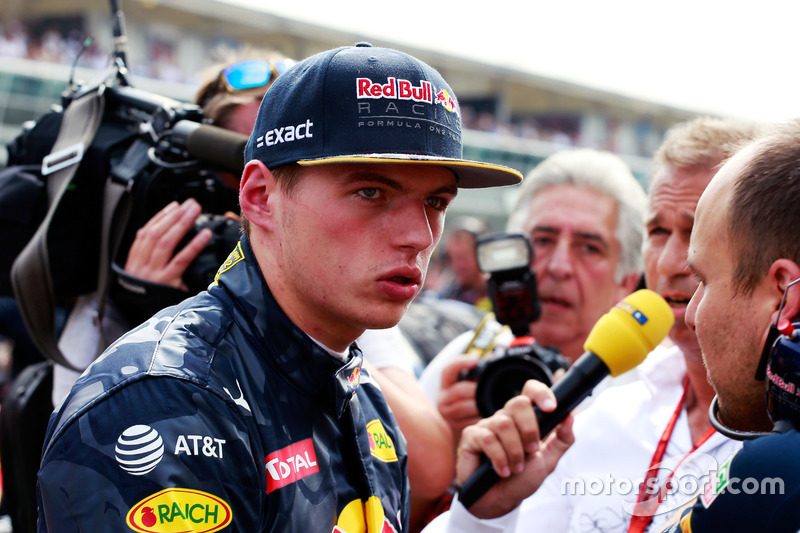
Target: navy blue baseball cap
365 104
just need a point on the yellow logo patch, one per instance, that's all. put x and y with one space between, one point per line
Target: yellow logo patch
180 510
380 444
236 256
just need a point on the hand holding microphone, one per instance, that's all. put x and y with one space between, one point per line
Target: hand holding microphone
619 341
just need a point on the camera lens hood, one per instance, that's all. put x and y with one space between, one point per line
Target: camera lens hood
503 378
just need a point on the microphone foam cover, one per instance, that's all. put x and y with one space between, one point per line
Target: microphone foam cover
624 336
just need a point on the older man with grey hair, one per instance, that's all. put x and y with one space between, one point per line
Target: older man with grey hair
583 211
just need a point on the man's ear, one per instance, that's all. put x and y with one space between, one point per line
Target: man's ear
256 193
781 273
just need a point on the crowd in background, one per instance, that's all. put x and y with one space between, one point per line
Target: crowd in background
53 45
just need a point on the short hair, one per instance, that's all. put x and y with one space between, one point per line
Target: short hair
217 102
702 143
763 215
601 172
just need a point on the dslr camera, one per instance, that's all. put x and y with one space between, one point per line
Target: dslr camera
512 288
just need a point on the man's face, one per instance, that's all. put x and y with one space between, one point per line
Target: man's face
352 244
463 261
673 197
575 259
730 326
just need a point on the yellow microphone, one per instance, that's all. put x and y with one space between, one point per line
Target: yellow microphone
618 342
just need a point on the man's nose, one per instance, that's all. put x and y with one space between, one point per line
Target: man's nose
414 228
673 258
559 262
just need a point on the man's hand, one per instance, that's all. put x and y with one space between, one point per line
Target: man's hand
510 439
150 256
456 399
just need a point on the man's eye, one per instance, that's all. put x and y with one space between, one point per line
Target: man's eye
368 192
437 202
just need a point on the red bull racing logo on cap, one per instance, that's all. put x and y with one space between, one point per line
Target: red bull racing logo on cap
443 97
395 89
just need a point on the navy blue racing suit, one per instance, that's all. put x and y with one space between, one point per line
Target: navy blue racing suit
219 414
756 489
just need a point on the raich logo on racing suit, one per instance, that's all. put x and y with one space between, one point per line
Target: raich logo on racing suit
180 510
290 464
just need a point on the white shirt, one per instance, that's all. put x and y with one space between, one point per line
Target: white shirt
596 482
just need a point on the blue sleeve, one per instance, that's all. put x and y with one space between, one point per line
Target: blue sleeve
145 458
757 489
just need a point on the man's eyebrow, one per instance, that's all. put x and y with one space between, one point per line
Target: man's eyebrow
584 235
370 176
686 216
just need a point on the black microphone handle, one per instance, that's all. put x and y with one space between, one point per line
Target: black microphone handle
571 390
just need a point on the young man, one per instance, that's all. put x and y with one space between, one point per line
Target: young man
745 253
246 404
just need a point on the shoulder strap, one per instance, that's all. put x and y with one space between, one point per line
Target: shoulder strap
30 274
485 337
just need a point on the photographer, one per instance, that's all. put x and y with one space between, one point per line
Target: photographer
583 212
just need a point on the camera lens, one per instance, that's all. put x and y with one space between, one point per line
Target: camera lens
503 378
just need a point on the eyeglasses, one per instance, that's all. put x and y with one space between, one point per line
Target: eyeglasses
251 74
245 75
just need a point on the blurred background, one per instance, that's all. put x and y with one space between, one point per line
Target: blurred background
531 78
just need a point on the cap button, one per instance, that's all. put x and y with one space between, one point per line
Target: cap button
364 44
785 327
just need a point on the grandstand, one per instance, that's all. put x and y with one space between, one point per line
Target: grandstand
511 117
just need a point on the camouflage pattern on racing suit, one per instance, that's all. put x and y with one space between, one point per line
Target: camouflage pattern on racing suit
220 414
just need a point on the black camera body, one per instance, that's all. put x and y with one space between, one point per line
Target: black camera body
502 377
512 288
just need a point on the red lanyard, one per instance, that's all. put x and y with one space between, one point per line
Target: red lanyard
646 508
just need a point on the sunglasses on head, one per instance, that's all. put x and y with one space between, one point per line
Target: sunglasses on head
245 75
251 74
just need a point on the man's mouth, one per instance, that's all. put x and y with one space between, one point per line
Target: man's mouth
677 302
556 301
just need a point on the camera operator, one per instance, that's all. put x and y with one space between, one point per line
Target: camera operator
622 431
744 250
153 274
